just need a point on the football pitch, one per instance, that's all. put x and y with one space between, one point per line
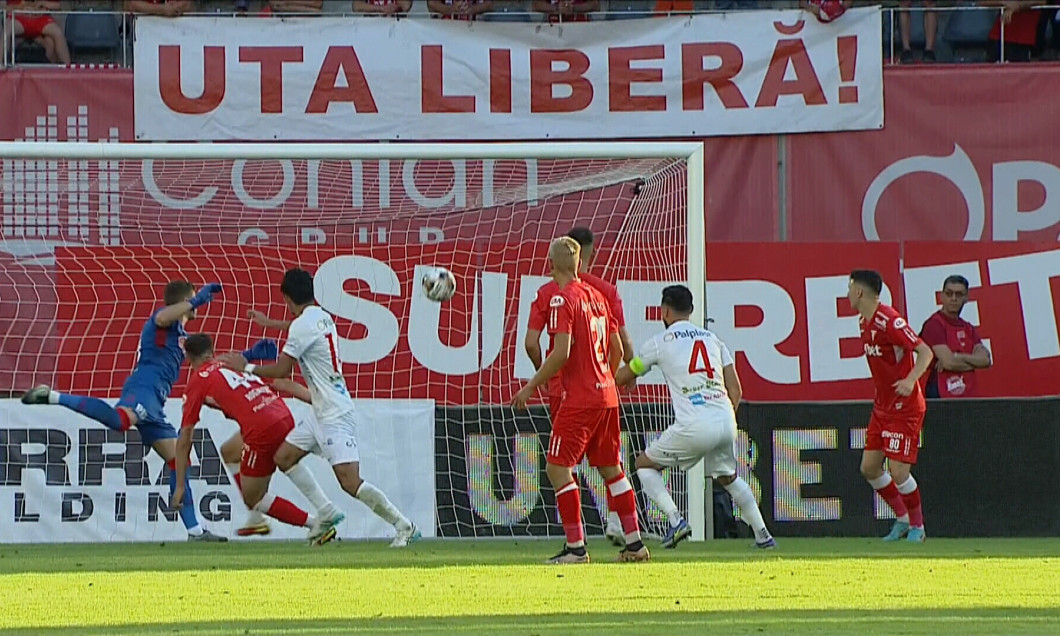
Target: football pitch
807 586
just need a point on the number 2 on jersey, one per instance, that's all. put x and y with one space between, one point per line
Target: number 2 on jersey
700 361
598 325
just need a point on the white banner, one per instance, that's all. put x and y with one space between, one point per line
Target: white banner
66 478
358 79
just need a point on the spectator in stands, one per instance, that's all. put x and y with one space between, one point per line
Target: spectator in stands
1021 29
459 9
165 8
383 7
905 28
958 349
40 28
566 10
294 6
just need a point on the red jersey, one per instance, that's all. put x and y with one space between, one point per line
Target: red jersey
889 342
960 336
582 312
539 311
240 396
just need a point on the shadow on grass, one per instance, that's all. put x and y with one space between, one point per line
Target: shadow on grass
128 557
862 622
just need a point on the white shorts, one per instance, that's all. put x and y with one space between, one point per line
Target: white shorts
334 440
684 444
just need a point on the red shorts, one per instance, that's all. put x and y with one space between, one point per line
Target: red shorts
898 436
33 25
555 399
260 448
585 432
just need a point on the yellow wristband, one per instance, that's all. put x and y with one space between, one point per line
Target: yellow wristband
636 365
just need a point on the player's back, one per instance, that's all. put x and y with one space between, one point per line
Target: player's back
692 360
582 311
160 356
242 397
313 340
889 342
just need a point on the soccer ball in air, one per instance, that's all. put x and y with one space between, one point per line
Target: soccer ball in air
439 284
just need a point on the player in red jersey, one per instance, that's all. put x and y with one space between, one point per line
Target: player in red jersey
264 422
587 347
898 412
539 312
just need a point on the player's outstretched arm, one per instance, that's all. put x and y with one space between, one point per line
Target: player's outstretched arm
294 389
269 323
615 352
627 344
282 368
172 313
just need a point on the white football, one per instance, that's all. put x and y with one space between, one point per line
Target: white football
439 284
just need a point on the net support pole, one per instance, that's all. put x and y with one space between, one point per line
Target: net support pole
700 515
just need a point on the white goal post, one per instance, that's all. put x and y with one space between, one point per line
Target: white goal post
75 196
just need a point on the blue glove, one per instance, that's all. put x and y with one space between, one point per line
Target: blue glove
262 351
205 295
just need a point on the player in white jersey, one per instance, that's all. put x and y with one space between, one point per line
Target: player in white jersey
312 342
704 386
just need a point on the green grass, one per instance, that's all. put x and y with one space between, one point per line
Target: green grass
808 586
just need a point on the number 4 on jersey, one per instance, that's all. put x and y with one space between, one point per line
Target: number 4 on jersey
700 361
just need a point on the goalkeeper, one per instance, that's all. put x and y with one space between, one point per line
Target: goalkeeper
144 393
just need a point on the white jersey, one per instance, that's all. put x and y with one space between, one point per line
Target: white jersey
314 342
691 360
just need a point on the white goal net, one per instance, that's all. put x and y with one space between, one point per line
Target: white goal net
91 233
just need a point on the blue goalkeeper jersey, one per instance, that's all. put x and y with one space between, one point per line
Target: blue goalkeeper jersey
161 354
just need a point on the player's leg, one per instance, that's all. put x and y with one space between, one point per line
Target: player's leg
604 451
117 418
744 497
566 446
231 455
880 480
162 438
256 468
288 457
649 472
343 455
901 457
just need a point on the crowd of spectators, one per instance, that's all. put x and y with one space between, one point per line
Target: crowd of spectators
925 31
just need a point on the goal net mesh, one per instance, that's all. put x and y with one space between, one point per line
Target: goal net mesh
87 247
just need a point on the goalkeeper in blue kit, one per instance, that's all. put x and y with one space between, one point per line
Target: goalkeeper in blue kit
145 391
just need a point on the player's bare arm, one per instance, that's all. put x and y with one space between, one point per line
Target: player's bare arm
282 368
294 389
923 363
732 385
947 360
183 455
627 344
553 363
625 377
532 344
615 352
269 323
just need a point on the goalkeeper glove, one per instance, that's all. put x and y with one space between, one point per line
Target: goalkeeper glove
205 295
263 350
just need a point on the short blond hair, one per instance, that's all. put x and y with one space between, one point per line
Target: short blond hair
564 254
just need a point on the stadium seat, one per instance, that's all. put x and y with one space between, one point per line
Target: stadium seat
96 32
30 53
629 9
967 33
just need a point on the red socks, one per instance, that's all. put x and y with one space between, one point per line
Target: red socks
284 510
620 498
569 502
893 498
911 498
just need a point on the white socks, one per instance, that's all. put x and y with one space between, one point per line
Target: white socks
651 481
744 497
374 498
308 486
